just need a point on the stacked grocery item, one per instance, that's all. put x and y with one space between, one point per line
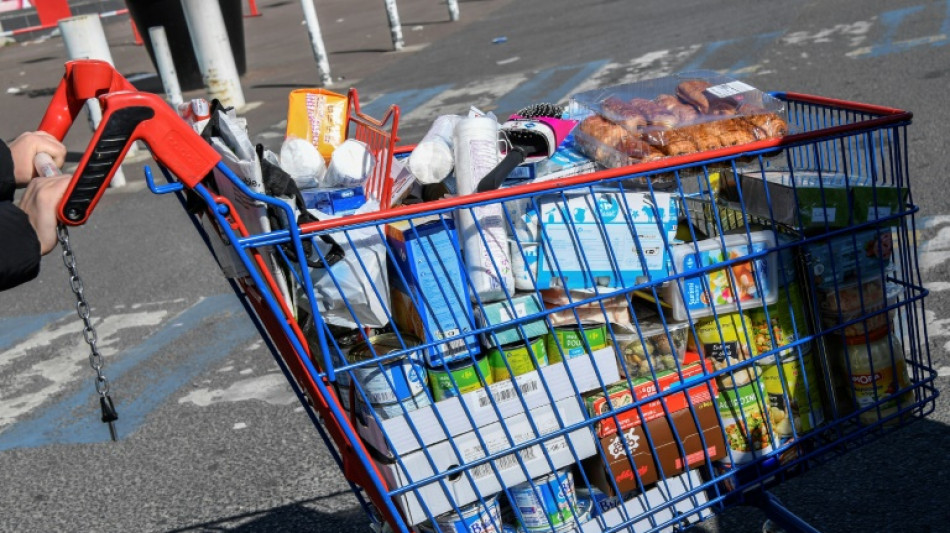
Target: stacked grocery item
666 337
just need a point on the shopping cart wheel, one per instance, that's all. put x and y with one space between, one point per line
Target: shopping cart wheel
771 527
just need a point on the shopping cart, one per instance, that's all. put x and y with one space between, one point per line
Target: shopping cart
646 395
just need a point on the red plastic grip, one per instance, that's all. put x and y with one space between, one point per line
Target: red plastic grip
84 79
127 117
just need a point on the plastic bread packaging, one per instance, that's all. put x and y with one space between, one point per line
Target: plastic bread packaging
674 115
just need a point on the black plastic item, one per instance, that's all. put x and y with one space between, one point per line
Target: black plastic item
169 13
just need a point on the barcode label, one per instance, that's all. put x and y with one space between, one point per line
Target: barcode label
503 463
729 89
503 395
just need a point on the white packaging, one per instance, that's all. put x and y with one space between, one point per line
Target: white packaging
351 163
485 244
432 159
302 160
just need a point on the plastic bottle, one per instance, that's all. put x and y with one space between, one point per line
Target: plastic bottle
432 159
475 142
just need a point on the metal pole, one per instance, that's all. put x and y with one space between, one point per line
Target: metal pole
316 41
166 66
453 9
395 29
213 51
84 38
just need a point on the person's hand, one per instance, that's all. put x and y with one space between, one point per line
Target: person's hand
40 202
25 147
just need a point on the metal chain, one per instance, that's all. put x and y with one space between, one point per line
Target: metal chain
109 415
82 308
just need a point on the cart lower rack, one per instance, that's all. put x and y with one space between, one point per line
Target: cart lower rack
662 340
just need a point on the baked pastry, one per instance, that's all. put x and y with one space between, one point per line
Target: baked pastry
736 137
767 125
693 92
667 101
635 147
680 146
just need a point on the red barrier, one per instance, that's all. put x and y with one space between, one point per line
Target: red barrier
51 11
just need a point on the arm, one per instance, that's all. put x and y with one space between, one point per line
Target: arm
19 246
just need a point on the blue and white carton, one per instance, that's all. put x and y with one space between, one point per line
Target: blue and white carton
428 290
608 238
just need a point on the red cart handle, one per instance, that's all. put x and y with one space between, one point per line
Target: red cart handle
127 116
84 79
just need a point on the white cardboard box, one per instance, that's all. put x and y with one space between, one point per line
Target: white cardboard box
448 418
656 497
466 448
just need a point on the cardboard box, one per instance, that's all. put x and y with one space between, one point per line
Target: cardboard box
465 449
665 456
679 494
433 301
621 398
449 418
504 312
575 233
831 198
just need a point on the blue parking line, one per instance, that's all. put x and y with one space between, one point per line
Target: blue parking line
537 89
407 101
14 329
75 419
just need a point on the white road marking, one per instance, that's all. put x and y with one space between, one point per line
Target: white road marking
32 385
271 388
856 31
937 286
481 94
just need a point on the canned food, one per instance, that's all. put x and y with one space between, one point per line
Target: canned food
744 422
472 518
726 343
386 411
570 340
797 380
390 381
547 502
783 324
468 375
519 356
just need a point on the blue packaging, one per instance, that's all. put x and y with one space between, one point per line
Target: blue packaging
587 240
426 253
334 201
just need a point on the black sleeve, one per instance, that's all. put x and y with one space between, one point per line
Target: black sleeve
19 247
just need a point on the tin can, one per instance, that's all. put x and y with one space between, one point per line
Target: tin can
390 381
571 340
386 411
519 358
793 394
472 518
726 343
463 372
744 422
547 502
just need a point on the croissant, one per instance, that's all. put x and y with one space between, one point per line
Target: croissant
736 137
635 147
768 125
685 113
680 146
707 142
667 101
691 92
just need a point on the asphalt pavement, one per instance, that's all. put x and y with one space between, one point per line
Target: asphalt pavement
211 438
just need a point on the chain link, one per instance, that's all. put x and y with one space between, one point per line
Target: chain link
82 309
